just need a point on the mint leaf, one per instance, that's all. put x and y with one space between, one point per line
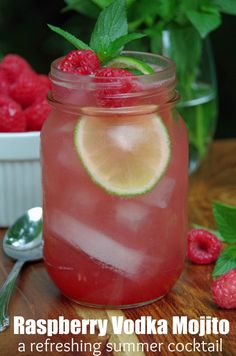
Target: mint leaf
225 219
69 37
84 7
204 22
111 24
166 9
117 45
214 232
101 3
142 10
225 262
104 3
227 6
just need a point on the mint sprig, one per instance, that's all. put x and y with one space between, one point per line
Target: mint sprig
116 46
69 37
111 24
225 262
225 221
110 33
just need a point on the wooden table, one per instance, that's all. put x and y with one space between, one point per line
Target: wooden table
36 297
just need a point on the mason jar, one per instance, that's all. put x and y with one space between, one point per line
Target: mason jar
115 172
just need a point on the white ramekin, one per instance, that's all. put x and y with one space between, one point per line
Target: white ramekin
20 175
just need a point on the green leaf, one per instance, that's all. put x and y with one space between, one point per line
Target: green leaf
227 6
214 232
84 7
210 9
139 12
225 219
111 24
182 7
166 9
204 22
69 37
185 5
155 35
117 45
156 43
225 262
102 3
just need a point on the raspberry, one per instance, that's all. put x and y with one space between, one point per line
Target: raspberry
4 84
27 89
82 62
44 80
203 247
13 65
224 290
12 118
5 100
118 82
36 114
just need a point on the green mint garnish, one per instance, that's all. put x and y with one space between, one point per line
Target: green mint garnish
110 33
70 38
225 219
225 262
116 46
111 24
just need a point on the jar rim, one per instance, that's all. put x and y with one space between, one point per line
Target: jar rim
85 90
165 71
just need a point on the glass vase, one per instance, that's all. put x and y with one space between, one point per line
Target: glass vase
198 105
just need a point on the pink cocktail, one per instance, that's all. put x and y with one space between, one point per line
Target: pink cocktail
102 245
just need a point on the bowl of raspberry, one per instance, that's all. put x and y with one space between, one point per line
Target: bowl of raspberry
23 110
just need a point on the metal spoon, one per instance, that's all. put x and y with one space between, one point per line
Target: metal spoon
22 242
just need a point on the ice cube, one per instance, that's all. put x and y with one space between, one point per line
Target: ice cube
160 196
82 198
97 245
131 214
126 137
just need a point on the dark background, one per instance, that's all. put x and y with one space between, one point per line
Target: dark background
23 30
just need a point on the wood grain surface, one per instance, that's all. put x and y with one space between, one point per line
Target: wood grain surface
36 297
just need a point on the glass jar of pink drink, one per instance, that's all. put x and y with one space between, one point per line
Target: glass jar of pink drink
115 172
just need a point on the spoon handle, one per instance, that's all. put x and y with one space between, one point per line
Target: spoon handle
5 294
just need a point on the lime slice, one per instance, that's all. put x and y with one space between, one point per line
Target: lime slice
126 156
130 63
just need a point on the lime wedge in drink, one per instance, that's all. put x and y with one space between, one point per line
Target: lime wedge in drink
126 156
130 63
